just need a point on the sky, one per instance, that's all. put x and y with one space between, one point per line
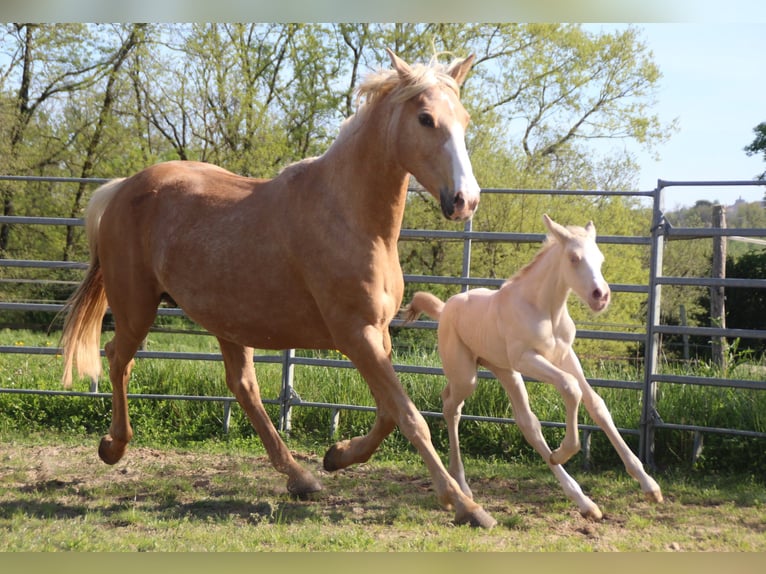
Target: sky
714 83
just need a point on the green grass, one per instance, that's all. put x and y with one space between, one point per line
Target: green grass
222 495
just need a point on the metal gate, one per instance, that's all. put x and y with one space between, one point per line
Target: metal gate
655 238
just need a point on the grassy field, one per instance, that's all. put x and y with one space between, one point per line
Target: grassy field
55 495
186 485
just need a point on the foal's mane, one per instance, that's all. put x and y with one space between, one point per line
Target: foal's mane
549 243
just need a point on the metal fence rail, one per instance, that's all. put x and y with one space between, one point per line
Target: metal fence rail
650 334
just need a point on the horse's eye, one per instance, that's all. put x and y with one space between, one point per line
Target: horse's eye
575 258
426 120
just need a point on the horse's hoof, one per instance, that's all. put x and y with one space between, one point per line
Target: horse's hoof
302 485
477 518
592 513
332 459
111 451
654 496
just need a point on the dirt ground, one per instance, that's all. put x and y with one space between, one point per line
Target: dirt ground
66 483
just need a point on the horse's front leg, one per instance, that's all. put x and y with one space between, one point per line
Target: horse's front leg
530 427
241 380
598 411
367 351
538 367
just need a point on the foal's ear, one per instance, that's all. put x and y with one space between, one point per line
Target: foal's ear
402 68
459 69
590 229
559 231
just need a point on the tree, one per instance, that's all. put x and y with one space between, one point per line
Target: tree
47 63
758 145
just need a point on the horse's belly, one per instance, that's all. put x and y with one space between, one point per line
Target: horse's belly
264 330
254 314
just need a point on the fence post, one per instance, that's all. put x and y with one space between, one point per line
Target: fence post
717 294
467 254
288 368
652 351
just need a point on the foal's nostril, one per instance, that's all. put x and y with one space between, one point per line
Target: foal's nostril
459 201
597 294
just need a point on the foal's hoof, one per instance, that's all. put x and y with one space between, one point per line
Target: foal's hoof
592 513
332 458
654 496
302 485
477 518
110 450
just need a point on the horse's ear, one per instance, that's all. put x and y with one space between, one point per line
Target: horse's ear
559 231
459 69
591 229
402 68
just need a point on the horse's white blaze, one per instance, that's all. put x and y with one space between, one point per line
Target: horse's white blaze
462 170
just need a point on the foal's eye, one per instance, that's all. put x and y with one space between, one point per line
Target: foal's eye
575 258
426 120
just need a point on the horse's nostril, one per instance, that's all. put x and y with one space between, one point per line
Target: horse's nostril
459 201
597 294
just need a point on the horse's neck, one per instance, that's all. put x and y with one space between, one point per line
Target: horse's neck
367 183
542 285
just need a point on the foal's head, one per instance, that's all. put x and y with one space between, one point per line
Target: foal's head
427 129
581 262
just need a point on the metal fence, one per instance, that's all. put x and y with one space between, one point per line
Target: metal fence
650 335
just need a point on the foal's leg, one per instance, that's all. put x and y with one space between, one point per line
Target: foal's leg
460 371
536 366
530 427
367 351
598 411
241 380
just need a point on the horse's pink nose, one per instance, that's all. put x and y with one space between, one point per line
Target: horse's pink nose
464 206
600 295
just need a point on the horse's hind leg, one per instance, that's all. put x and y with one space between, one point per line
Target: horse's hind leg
120 351
241 380
460 371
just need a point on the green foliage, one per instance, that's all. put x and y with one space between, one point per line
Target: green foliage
746 306
758 145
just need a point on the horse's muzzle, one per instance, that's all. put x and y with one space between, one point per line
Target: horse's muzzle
599 299
457 206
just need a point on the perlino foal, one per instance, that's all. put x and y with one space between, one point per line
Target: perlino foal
525 328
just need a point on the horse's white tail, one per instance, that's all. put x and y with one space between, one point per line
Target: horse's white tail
423 302
86 307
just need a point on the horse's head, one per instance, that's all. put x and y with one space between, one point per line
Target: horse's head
581 263
429 123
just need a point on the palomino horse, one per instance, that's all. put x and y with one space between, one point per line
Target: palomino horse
305 260
525 328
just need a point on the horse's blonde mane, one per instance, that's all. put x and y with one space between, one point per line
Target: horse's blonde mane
549 243
378 84
421 77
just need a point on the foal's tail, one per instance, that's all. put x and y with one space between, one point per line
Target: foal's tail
423 302
86 307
